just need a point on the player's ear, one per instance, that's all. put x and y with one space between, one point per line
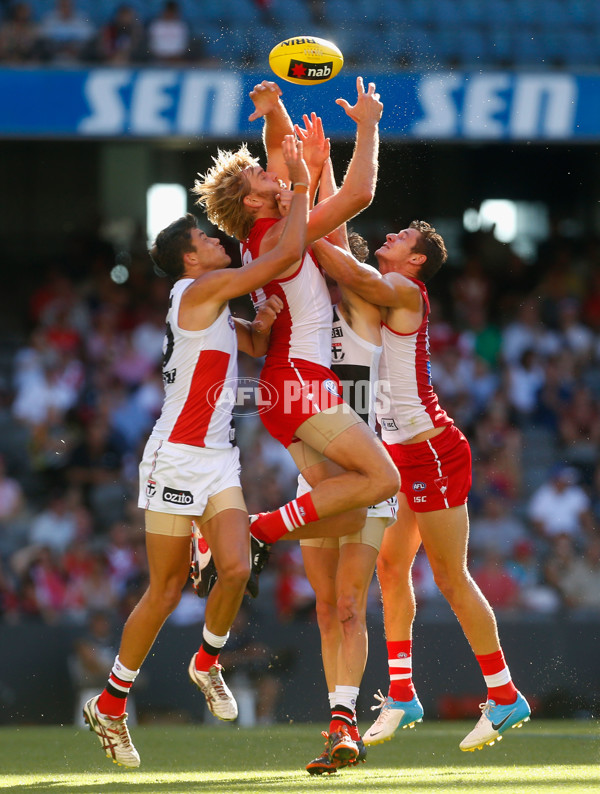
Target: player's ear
418 259
252 201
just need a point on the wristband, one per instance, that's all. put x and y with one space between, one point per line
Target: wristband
300 185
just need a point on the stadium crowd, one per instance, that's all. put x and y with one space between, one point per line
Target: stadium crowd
402 33
515 359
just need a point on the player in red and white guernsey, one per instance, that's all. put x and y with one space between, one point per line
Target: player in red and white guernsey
434 461
190 468
310 419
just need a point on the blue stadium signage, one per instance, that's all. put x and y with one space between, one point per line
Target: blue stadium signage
192 103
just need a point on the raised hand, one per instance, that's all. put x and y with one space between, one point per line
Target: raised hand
265 96
368 108
294 160
316 145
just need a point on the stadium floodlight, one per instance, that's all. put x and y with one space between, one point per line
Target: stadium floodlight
164 204
501 214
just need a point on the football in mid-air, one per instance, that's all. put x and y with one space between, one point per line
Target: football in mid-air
306 60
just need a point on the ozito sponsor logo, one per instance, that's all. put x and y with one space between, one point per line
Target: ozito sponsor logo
174 497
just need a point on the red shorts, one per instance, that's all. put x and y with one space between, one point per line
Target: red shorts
303 389
434 474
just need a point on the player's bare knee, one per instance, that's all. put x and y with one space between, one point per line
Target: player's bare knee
326 616
234 574
165 600
347 606
384 480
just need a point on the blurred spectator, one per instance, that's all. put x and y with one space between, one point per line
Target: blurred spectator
19 36
9 601
497 528
575 577
579 429
481 338
65 32
525 381
57 525
575 336
94 469
536 595
11 495
121 39
527 332
42 583
94 591
190 609
557 391
169 35
496 582
294 597
12 512
483 384
560 506
46 396
121 556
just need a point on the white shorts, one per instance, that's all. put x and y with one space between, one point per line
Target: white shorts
387 509
177 478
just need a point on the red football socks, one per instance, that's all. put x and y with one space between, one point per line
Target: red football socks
497 678
269 527
400 665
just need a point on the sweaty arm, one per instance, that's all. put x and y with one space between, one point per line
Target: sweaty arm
391 290
358 187
266 97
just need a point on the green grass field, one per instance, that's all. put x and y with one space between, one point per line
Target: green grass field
542 757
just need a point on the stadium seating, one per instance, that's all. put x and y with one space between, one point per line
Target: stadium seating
407 33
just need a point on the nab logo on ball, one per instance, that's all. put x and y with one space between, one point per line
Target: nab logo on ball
308 72
306 60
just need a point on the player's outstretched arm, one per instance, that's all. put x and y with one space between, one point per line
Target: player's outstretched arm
266 97
358 188
392 289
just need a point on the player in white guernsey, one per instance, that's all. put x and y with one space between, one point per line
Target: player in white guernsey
190 468
310 418
340 570
434 462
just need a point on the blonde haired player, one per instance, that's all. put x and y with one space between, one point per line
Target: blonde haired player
310 419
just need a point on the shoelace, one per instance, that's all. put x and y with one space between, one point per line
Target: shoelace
120 728
219 685
382 701
487 707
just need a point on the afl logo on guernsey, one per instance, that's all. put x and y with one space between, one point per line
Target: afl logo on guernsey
419 486
231 322
331 386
